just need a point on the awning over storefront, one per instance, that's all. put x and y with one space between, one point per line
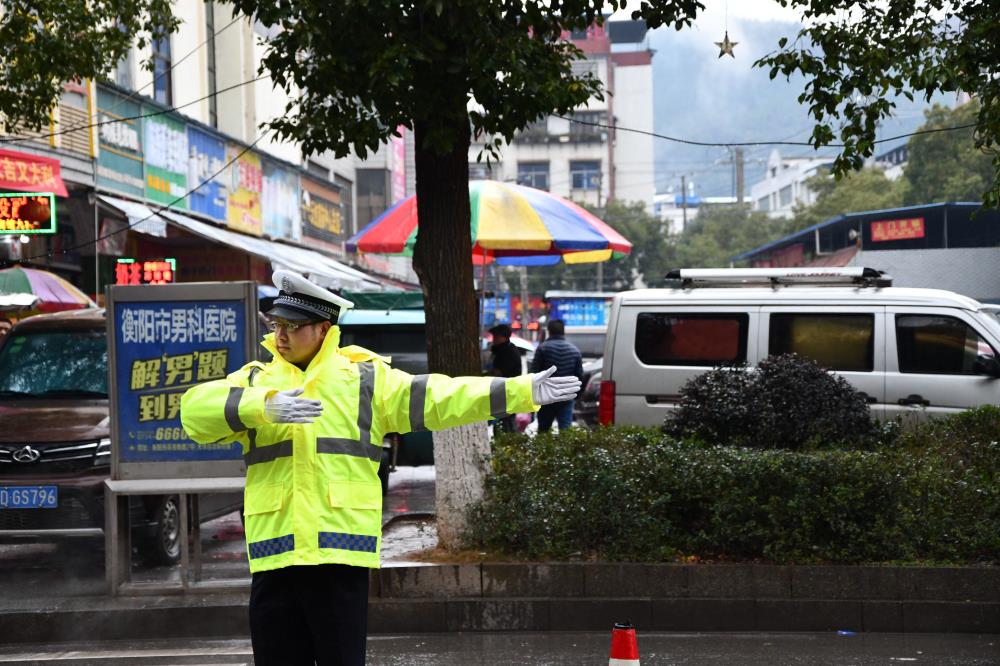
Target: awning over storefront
140 216
319 268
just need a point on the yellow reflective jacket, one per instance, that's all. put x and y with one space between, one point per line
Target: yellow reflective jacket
312 491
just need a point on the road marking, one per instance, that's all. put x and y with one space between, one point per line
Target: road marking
71 655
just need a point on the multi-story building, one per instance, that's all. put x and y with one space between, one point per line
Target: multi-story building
172 164
784 185
583 157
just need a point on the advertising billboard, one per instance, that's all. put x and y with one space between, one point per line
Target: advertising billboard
321 212
166 156
280 202
119 161
163 340
27 213
206 159
246 185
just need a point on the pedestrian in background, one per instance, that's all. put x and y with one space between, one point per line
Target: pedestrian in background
565 356
506 363
311 423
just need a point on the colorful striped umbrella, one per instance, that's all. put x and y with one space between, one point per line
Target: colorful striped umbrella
53 292
511 224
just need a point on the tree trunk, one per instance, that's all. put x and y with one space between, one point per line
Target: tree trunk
442 259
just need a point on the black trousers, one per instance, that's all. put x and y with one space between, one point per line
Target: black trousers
309 615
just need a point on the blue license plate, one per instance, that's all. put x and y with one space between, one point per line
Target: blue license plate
29 497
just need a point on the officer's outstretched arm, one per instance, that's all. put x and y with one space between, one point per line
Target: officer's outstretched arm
224 409
432 402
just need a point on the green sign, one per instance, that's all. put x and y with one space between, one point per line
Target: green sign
32 213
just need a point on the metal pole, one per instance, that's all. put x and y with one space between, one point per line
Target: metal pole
97 253
684 202
739 175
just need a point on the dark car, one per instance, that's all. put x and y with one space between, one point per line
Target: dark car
55 446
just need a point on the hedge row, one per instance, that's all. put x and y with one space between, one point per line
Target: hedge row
639 495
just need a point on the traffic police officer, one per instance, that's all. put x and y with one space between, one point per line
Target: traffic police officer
311 424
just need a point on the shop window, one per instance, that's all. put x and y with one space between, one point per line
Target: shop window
669 338
844 342
938 345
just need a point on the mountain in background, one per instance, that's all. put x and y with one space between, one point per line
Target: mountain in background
699 96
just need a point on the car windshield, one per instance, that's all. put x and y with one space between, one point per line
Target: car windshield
591 345
65 364
385 340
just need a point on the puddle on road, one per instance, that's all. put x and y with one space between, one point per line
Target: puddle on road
403 538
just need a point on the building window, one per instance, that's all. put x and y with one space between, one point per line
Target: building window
533 174
785 196
347 201
585 175
123 72
373 193
317 169
483 171
586 126
161 71
764 203
213 107
584 67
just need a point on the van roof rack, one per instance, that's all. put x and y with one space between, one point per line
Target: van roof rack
866 277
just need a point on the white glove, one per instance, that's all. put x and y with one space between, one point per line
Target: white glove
287 407
546 389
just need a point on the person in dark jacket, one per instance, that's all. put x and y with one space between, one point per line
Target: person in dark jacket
563 354
506 363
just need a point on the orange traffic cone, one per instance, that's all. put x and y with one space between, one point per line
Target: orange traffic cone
624 649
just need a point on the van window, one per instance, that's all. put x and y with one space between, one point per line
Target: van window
682 338
844 342
63 363
938 345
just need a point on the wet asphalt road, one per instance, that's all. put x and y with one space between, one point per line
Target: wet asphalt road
563 649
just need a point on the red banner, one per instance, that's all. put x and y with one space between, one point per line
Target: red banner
891 230
21 172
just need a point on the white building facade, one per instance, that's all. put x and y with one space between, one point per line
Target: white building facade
784 184
582 157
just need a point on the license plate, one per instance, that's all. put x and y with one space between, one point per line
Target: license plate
29 497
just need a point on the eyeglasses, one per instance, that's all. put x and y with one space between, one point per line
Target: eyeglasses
289 326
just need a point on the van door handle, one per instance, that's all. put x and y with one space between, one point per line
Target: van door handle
914 399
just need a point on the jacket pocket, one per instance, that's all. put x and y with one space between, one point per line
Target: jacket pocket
264 499
355 495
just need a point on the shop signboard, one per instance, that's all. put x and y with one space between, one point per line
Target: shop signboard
246 185
23 172
280 202
321 212
119 160
150 271
496 310
206 162
166 156
580 311
27 213
892 230
163 340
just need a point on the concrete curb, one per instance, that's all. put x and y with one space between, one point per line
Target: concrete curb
572 597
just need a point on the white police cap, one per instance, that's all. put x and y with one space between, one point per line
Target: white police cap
301 300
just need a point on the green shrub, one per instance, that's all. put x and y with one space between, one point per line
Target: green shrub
787 402
637 495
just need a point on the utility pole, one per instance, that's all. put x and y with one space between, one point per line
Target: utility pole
600 264
684 203
739 175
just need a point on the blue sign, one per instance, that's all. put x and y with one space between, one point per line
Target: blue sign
580 311
207 156
496 310
161 350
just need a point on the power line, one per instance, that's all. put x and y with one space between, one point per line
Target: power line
756 143
22 139
162 208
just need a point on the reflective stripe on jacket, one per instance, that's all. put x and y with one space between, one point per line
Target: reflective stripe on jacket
312 491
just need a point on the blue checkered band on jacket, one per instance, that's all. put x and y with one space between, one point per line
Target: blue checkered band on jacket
341 541
269 547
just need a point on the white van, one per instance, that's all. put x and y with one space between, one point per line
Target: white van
914 352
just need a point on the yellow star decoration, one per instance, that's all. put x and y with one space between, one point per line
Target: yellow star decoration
726 46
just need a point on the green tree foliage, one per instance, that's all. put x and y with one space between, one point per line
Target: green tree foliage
863 190
720 232
857 54
947 166
45 43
